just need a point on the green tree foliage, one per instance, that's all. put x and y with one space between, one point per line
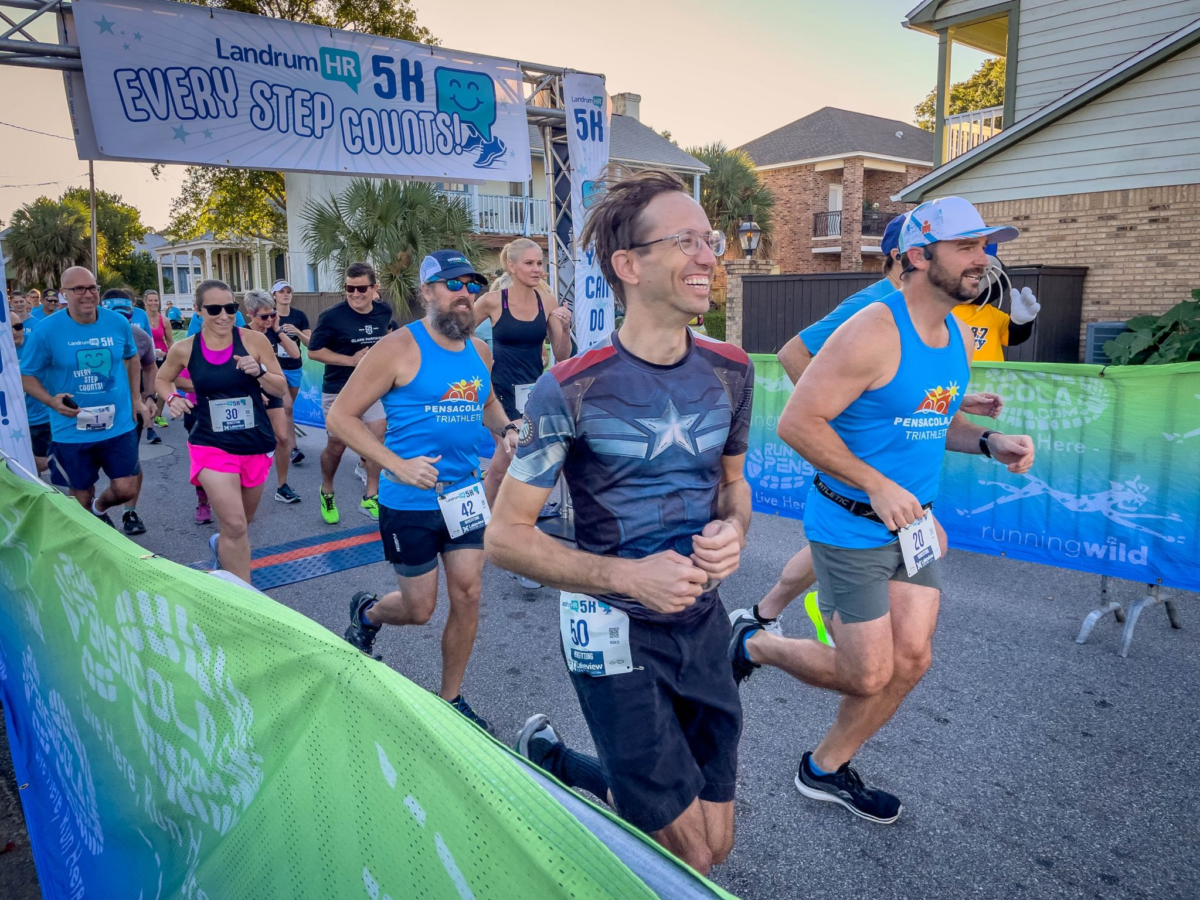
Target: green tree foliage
46 237
982 90
393 225
241 203
732 190
1173 337
140 272
231 203
117 222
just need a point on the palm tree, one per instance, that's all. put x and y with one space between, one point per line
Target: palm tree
45 238
393 225
732 190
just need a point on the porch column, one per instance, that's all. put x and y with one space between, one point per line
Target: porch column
852 214
158 259
473 205
735 271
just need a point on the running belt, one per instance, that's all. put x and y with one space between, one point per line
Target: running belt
854 507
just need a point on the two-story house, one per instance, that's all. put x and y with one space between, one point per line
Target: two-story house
833 174
1095 154
501 210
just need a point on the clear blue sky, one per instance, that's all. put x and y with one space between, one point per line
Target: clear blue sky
707 71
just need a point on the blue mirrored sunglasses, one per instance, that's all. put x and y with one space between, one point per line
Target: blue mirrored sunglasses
457 284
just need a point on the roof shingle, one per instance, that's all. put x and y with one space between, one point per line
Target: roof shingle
631 141
836 132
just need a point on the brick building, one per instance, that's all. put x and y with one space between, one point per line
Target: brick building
1095 154
834 174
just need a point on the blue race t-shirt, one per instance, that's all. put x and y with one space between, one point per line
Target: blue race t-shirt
174 315
88 362
141 319
197 322
38 313
815 335
37 412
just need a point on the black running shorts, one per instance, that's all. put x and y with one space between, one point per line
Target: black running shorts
413 538
667 732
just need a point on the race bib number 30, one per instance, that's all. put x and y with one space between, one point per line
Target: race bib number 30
235 414
465 510
595 636
919 544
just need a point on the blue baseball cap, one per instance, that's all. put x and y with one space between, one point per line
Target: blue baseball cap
891 235
442 265
949 219
122 305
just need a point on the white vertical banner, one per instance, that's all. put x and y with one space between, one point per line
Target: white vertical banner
588 121
14 426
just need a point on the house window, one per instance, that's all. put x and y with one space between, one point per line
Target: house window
452 186
516 189
313 280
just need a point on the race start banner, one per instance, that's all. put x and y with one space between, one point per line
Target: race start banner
186 83
588 124
1114 489
14 424
175 735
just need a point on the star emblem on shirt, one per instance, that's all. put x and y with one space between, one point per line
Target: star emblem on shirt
670 430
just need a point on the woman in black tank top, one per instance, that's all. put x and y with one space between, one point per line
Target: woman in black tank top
231 440
523 313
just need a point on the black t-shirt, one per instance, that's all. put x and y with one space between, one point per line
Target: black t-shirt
345 331
298 320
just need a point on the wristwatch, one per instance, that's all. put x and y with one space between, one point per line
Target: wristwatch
983 443
262 370
509 427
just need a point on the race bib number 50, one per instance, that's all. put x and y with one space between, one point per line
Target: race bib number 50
595 636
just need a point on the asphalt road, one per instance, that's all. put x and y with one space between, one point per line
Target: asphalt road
1028 766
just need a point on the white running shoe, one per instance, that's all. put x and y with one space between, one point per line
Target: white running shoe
773 626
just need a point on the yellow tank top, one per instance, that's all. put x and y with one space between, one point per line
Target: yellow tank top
990 327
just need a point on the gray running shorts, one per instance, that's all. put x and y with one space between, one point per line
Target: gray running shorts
853 581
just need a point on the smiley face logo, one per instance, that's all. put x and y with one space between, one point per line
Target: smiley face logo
97 360
472 97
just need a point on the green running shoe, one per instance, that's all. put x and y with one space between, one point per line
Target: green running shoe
160 422
369 506
329 510
814 615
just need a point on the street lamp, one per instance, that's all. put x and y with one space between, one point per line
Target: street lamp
748 234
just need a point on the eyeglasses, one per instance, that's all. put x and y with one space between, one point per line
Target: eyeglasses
690 241
360 288
454 285
77 291
214 309
266 315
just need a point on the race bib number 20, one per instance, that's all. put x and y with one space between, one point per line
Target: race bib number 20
919 544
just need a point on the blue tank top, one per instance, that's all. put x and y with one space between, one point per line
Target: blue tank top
439 412
898 429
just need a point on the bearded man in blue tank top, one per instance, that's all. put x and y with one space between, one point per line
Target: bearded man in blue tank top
874 413
433 378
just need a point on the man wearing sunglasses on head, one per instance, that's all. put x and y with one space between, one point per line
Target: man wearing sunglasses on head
85 368
343 335
49 303
650 430
434 379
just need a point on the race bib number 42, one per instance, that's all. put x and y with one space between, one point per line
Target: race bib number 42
595 636
465 510
919 544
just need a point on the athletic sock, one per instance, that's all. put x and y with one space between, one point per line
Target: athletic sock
815 769
572 768
362 615
762 620
95 512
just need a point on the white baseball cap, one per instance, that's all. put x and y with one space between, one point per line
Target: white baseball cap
949 219
279 286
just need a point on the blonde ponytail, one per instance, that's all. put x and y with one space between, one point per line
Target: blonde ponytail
509 254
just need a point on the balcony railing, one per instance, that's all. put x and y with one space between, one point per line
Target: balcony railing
965 131
827 224
497 214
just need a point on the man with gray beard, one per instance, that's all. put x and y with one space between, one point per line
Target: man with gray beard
433 379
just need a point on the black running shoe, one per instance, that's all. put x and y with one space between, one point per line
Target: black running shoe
845 786
297 456
131 522
285 494
360 635
744 625
152 436
104 517
460 704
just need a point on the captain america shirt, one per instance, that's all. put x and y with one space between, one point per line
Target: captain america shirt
640 446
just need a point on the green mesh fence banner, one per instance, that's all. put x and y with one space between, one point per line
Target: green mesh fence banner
180 736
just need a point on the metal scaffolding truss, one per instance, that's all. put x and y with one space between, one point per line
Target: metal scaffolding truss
18 47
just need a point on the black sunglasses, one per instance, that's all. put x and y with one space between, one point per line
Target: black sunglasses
18 326
360 288
214 309
457 284
266 315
